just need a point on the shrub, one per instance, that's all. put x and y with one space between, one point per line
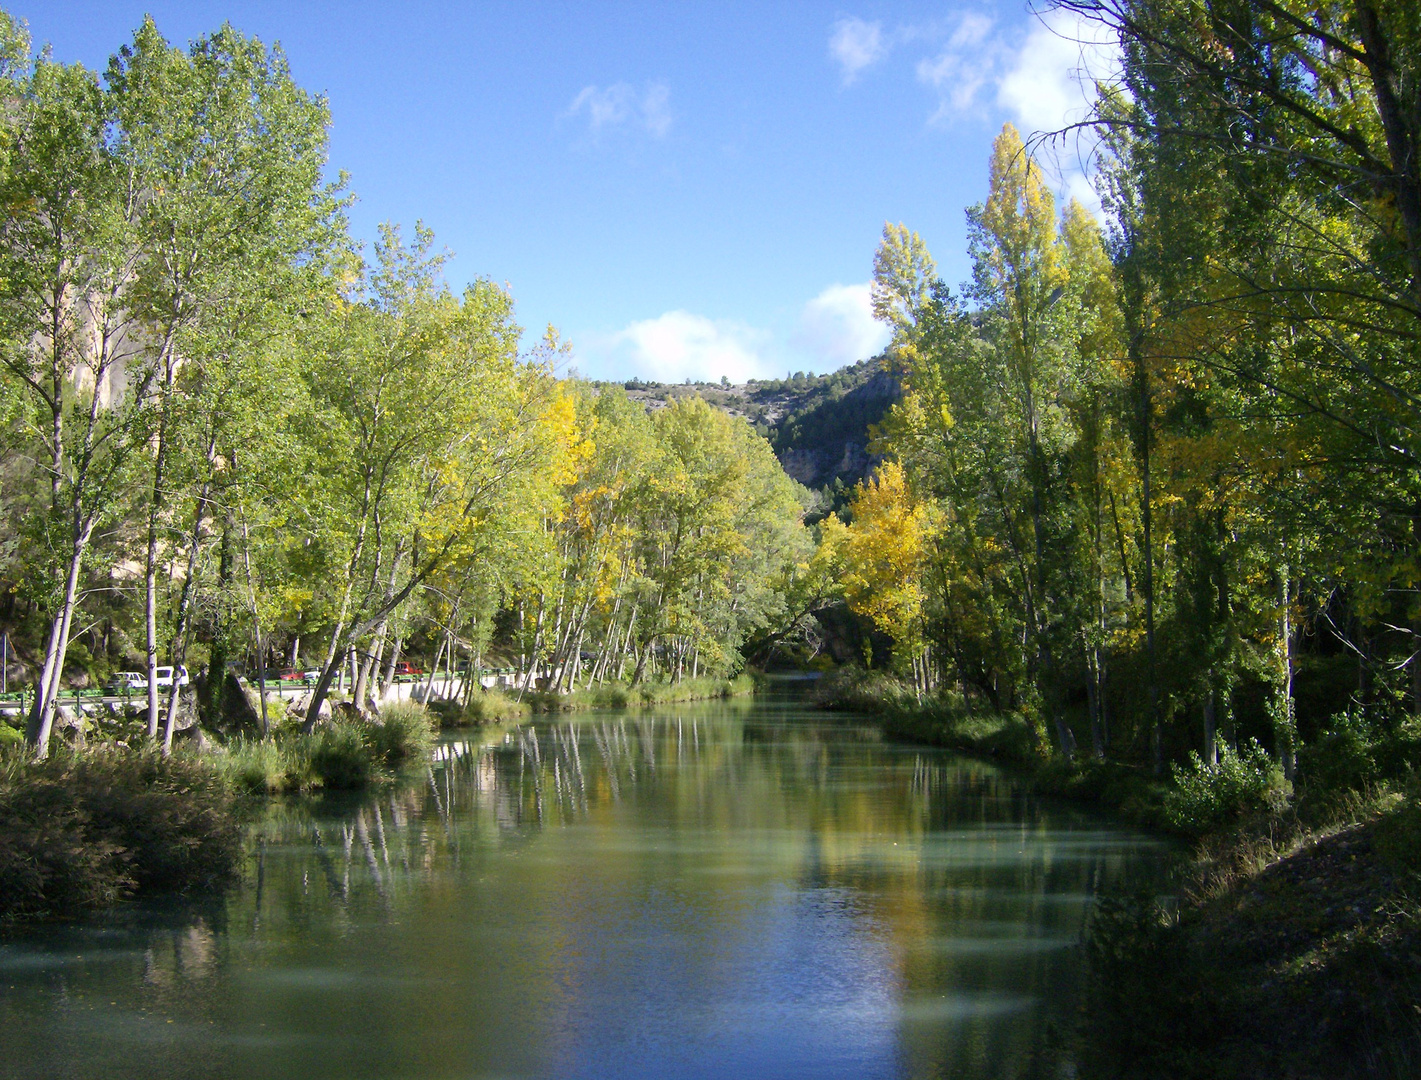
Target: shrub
488 706
404 730
1204 798
340 757
1339 763
84 829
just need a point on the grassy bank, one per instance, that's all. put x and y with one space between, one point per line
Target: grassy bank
83 830
495 706
623 696
345 755
1301 959
1295 947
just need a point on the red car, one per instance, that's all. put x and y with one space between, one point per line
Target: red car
292 676
403 668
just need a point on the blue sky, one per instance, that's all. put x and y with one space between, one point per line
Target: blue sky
683 190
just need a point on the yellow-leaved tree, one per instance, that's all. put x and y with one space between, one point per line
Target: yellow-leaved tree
883 552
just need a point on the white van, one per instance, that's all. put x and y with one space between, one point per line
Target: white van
128 680
165 676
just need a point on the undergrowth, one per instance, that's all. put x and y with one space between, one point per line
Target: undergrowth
343 755
84 829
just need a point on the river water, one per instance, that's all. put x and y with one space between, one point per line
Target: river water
743 889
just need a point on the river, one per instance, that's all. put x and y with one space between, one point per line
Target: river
739 889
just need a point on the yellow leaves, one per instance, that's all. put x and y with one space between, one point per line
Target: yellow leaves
883 554
1019 217
903 273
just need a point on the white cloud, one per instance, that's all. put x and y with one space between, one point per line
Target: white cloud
837 328
972 29
622 107
656 109
680 345
968 60
1044 81
1050 81
856 45
833 329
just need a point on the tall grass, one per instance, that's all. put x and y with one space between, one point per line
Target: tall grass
622 696
85 829
939 720
345 755
490 706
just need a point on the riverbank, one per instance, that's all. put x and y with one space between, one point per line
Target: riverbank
1304 965
501 705
98 824
1294 948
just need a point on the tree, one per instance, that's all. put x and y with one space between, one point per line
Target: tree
67 250
432 421
225 155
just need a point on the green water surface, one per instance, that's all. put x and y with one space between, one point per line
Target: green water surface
744 889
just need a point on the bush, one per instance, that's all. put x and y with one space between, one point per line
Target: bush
1205 798
340 757
83 830
1338 764
404 730
489 706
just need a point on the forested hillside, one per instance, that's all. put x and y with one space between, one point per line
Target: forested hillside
819 425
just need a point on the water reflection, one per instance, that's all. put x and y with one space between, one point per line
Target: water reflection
730 890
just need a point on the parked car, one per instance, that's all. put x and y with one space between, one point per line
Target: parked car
165 676
403 668
291 675
120 681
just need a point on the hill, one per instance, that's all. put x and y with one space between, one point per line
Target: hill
817 424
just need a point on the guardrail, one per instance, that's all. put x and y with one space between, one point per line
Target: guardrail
18 700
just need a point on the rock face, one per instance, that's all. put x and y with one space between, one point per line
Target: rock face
817 424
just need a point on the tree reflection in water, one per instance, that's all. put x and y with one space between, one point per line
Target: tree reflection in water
725 890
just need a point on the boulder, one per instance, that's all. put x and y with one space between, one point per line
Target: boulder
238 708
71 723
347 711
301 704
196 739
185 715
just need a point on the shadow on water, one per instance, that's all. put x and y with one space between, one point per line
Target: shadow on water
734 889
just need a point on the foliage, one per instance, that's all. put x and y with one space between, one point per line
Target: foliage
1243 783
205 386
402 732
83 830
